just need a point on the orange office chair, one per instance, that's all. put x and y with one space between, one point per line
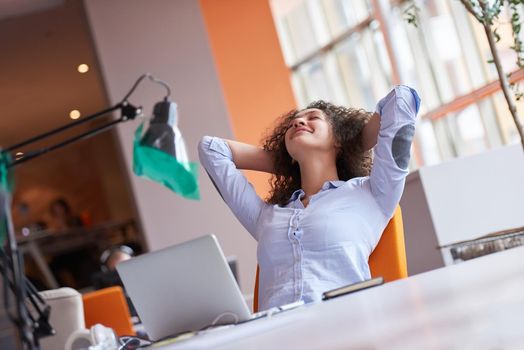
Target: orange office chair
387 260
389 257
108 306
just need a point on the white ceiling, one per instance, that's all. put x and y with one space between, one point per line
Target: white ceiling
39 82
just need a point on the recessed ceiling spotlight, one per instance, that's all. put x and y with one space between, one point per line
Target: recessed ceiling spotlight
83 68
19 155
74 114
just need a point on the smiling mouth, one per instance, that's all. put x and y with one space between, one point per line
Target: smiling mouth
301 130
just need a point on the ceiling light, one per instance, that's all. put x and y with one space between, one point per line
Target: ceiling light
74 114
83 68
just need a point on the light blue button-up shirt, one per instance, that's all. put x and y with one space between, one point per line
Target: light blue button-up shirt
303 252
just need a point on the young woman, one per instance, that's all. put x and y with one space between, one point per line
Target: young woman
329 202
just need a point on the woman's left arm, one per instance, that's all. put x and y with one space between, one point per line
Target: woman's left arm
370 132
390 130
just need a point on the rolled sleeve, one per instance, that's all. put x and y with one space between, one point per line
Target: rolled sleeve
398 111
234 188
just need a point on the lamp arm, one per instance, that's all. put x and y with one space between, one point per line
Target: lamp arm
126 108
41 326
153 79
129 112
13 266
61 128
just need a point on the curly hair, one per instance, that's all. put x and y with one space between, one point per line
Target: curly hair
352 161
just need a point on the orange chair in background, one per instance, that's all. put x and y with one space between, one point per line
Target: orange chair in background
387 260
108 306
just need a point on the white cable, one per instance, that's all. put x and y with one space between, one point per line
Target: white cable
224 314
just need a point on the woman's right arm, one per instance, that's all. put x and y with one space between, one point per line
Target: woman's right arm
392 130
250 157
223 160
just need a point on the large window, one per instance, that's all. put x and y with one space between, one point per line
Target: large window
352 51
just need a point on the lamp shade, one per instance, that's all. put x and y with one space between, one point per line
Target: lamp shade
161 133
160 154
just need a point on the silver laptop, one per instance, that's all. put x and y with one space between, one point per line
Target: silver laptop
185 287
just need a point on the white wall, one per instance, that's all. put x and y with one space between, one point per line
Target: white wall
168 39
459 200
477 195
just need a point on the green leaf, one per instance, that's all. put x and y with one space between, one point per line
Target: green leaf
411 13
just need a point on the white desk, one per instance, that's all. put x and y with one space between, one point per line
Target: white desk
478 304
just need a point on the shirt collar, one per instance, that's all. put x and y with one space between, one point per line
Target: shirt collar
326 186
296 195
332 184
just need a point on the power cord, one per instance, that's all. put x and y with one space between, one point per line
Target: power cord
227 313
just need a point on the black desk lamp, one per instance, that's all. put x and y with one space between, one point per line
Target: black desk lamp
160 136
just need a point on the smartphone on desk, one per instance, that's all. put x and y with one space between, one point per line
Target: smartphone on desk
330 294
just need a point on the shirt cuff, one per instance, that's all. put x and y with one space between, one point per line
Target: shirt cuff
400 91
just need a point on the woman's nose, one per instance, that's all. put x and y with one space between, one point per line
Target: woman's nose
298 122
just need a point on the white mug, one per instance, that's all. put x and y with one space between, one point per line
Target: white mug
98 337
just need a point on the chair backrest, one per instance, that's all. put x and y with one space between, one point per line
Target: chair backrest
387 260
389 257
108 306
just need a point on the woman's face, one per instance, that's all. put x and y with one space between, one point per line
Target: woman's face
309 131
